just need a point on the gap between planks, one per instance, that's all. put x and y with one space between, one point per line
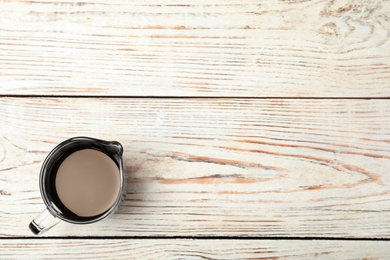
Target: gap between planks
186 97
196 238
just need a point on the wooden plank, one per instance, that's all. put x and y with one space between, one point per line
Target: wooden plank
212 167
196 48
192 249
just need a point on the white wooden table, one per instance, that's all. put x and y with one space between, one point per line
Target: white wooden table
252 129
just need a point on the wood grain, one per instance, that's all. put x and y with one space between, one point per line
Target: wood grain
218 48
193 249
204 167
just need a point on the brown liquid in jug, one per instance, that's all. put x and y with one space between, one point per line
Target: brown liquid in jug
88 182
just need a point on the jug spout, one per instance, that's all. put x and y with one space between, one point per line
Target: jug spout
114 147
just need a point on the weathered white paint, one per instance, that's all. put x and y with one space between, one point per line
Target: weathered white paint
237 167
196 48
224 167
192 249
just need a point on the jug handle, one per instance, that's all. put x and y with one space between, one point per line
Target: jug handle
43 222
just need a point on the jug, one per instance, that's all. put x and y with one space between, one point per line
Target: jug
82 181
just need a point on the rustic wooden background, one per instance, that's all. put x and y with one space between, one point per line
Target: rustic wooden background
252 129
